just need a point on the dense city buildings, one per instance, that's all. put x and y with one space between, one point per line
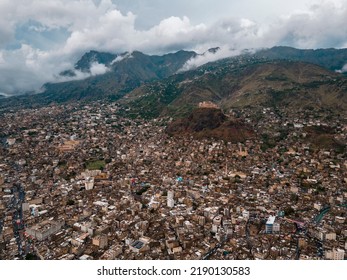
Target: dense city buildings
84 182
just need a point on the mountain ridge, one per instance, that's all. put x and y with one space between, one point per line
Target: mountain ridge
265 83
154 86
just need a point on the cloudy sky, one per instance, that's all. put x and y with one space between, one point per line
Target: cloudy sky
40 38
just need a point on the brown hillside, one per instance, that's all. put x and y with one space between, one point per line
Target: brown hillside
210 123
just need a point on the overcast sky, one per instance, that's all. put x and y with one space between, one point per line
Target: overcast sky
39 39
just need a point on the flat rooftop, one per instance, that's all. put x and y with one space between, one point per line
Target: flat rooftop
271 220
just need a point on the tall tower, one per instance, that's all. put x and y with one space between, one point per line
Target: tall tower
170 198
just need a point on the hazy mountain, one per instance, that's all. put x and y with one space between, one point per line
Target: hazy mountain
123 73
332 59
152 85
93 56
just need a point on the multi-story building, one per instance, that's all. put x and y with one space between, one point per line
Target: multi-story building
101 241
335 254
269 226
44 229
170 198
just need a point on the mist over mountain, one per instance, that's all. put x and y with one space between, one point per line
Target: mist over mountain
40 40
99 75
174 83
265 78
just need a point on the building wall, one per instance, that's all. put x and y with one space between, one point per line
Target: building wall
170 202
338 254
268 228
276 228
208 104
42 234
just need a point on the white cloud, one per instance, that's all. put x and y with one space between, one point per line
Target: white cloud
121 57
4 94
98 69
206 57
103 27
321 26
110 31
2 60
27 69
343 70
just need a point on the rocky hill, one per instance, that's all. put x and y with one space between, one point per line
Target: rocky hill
210 123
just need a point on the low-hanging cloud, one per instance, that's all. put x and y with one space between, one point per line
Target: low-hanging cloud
99 25
94 69
98 69
209 56
343 69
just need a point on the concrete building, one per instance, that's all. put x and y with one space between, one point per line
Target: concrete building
208 104
335 254
269 226
112 253
89 183
330 236
44 229
245 214
11 141
137 246
276 228
101 241
170 198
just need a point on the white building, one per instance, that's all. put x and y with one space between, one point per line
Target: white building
245 214
270 224
276 228
317 206
89 183
170 202
338 254
335 254
170 198
170 194
330 236
11 141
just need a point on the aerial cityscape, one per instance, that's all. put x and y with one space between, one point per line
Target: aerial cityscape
178 155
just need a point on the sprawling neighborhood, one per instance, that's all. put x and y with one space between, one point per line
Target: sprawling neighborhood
81 181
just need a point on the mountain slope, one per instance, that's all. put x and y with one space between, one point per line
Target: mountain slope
332 59
93 56
234 83
271 77
210 123
124 73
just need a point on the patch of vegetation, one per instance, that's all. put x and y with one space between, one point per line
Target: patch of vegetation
96 165
143 190
278 97
32 133
70 202
62 164
289 211
268 142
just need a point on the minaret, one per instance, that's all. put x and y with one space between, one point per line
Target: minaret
170 198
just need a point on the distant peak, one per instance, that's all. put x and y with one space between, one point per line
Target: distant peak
213 50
